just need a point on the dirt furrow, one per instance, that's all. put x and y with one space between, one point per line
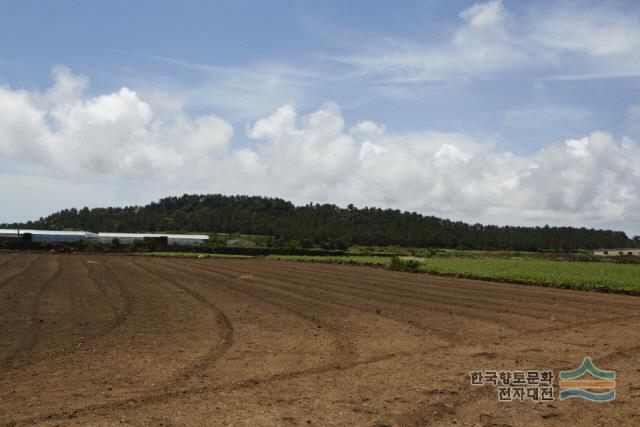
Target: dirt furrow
379 303
528 297
524 311
441 300
460 287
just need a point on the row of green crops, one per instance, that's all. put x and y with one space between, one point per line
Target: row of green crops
577 275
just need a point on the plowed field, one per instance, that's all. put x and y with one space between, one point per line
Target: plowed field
121 340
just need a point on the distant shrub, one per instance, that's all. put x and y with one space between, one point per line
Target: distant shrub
141 246
626 259
277 243
293 244
306 243
334 244
400 264
424 252
94 246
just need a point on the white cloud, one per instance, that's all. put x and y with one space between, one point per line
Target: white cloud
589 181
68 86
117 139
485 14
311 150
242 93
481 44
559 42
599 31
278 124
113 135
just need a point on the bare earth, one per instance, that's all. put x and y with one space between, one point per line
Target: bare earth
119 340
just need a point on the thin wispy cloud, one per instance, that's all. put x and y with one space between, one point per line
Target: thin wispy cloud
559 43
544 115
244 92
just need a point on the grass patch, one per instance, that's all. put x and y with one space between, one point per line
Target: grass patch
349 260
599 276
189 255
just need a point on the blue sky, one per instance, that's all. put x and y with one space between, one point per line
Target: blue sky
329 91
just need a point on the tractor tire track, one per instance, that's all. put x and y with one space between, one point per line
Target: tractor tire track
159 398
121 312
8 280
345 349
273 372
167 392
21 355
6 260
215 351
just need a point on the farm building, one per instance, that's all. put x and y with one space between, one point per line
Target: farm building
48 235
617 252
9 233
10 236
171 239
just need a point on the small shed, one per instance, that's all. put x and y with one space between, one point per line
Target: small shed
617 252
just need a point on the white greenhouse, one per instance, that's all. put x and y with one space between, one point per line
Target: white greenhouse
172 239
50 235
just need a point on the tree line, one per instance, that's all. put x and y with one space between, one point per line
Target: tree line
324 225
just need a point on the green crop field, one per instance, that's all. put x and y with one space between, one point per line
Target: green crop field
601 276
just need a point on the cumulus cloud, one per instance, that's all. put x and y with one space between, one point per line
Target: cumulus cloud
298 152
113 135
116 138
592 180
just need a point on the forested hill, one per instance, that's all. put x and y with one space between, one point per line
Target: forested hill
325 225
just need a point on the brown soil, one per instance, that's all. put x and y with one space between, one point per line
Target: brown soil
118 340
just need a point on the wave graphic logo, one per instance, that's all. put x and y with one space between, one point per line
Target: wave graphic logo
577 383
